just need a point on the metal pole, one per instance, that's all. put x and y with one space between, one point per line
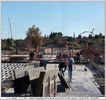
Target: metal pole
10 28
12 42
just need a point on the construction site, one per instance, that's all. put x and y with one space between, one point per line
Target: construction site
37 64
22 77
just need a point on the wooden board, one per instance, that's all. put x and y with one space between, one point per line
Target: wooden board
63 81
21 85
36 77
21 72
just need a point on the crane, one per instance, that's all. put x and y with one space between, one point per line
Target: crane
12 43
91 32
86 49
88 32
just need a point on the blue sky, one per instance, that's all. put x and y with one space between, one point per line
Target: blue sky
65 17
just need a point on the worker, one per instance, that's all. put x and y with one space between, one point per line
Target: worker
70 67
31 55
60 56
43 62
78 57
62 67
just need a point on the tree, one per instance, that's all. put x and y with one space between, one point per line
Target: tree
10 43
60 35
100 35
3 44
96 36
56 36
34 38
90 36
70 39
79 36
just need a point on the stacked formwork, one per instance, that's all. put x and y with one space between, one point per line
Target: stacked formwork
36 81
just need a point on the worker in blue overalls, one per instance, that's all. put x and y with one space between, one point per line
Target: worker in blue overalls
70 67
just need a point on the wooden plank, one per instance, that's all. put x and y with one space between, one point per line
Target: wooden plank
21 79
42 84
53 82
52 88
63 81
21 85
34 73
21 72
38 89
34 63
46 89
49 83
36 77
54 72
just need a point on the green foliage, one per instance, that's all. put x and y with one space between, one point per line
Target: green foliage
101 36
90 36
79 36
10 43
75 45
56 36
70 39
96 36
55 39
